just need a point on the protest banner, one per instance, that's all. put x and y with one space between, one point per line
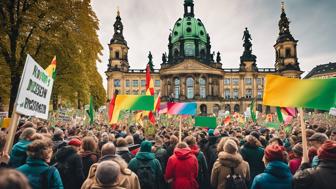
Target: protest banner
34 91
33 96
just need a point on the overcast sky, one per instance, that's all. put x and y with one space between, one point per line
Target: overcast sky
147 24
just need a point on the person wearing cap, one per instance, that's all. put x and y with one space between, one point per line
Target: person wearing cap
145 158
324 175
295 163
70 165
316 140
277 174
229 159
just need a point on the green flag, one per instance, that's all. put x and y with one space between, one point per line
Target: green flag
272 125
279 113
209 122
253 115
91 111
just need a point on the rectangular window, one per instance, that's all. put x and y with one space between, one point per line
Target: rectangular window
226 81
143 92
135 92
260 81
128 92
248 81
157 83
260 93
227 93
235 93
143 83
135 83
235 81
248 93
128 83
116 83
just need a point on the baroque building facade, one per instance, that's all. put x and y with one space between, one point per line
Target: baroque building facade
192 72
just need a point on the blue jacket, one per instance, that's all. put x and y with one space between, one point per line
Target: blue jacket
18 154
277 175
33 170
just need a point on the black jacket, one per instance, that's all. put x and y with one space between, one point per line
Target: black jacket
321 177
70 167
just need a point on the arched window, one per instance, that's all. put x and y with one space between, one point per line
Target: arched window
202 53
190 88
176 53
236 108
215 109
202 87
117 55
176 88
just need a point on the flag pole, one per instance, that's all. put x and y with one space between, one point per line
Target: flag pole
305 158
180 129
11 130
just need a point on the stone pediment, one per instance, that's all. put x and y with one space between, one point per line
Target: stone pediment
190 66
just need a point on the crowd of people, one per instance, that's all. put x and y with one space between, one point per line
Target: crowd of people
228 157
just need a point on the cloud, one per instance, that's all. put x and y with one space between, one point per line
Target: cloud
147 24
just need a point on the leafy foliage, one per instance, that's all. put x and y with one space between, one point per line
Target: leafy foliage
43 29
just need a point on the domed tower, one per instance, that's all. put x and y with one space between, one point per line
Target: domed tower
189 39
118 60
286 61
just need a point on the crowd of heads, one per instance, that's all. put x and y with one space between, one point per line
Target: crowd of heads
123 144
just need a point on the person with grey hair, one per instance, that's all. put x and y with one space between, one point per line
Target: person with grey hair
127 178
18 154
107 176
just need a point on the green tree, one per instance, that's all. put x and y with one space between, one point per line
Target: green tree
43 29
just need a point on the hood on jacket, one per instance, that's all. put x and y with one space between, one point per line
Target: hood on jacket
182 153
146 146
195 149
229 160
278 169
65 152
212 140
145 156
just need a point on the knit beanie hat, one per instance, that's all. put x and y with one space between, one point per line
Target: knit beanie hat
211 132
146 146
274 153
230 147
327 150
75 142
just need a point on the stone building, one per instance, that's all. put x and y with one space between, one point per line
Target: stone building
323 71
192 72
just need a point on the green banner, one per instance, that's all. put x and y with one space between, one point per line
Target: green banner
209 122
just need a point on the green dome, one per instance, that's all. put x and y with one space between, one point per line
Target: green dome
188 28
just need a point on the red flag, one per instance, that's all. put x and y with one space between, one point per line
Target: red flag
148 77
111 107
227 120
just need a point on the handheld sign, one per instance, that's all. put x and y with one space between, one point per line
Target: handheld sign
34 90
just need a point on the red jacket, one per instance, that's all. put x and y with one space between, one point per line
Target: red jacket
182 167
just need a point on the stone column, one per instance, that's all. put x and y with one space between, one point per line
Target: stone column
197 86
255 87
183 88
221 87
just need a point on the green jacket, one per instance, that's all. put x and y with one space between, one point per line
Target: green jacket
34 168
149 157
18 154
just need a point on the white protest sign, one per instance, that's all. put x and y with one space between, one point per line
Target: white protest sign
34 90
332 111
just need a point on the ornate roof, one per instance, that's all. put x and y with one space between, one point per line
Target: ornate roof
322 69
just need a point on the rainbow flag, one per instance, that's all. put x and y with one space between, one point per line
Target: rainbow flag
51 69
188 108
292 92
163 108
131 102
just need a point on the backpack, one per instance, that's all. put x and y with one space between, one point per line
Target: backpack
146 175
235 181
